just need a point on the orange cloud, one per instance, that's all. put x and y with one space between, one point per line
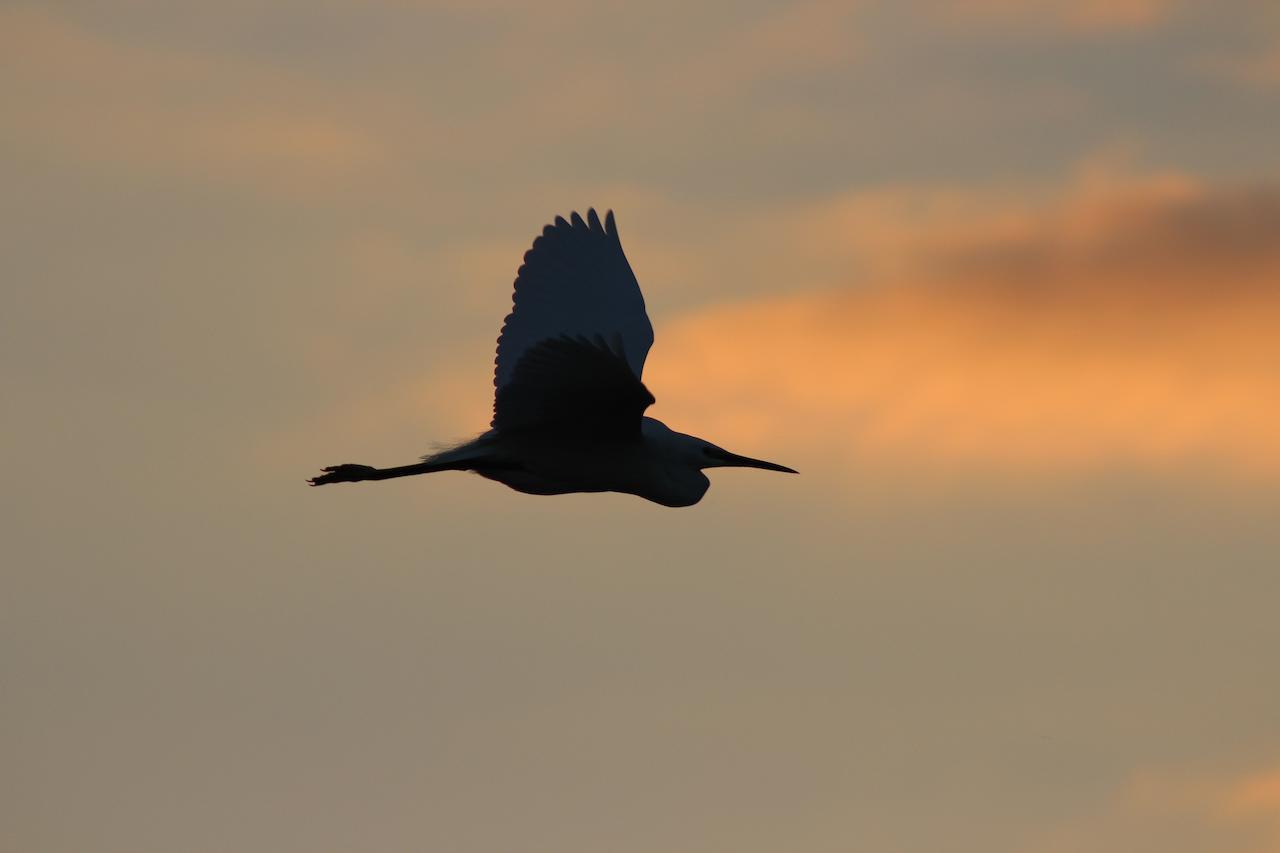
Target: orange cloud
1258 794
1163 810
1132 326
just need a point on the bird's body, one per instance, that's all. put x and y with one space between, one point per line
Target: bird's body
541 463
569 403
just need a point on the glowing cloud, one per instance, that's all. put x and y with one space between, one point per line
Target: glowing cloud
1131 326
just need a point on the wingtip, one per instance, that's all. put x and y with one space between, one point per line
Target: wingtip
592 222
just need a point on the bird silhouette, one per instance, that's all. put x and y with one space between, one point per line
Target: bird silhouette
568 413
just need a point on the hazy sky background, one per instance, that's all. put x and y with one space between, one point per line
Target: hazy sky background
1001 279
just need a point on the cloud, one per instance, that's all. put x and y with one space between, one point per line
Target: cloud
429 113
1259 69
1214 812
1127 326
1089 16
103 101
1256 794
798 38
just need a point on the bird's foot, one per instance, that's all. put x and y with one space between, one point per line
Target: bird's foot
348 473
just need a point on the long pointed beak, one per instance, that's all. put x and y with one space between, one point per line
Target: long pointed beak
733 460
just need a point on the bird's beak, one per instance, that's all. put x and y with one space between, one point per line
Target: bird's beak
724 458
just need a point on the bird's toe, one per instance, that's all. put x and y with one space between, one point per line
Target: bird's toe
345 473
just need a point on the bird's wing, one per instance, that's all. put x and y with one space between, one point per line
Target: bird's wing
575 281
576 387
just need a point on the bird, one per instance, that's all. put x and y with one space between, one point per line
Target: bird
569 403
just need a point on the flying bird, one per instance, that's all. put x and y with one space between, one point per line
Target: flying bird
568 413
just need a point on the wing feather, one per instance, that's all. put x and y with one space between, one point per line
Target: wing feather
575 281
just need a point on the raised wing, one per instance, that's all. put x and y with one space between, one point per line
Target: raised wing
574 387
575 282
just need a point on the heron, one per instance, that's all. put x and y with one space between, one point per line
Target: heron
568 412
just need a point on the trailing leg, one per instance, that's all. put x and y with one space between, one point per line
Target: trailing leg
351 473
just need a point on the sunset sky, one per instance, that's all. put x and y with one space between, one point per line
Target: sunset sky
1001 279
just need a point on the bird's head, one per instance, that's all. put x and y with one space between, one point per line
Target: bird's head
711 456
699 453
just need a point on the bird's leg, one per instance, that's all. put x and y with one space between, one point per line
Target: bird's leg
346 473
351 473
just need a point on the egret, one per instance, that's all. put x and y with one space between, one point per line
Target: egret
568 412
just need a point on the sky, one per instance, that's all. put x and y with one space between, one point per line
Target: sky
999 278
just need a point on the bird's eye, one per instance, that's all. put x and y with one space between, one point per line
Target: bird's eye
707 451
